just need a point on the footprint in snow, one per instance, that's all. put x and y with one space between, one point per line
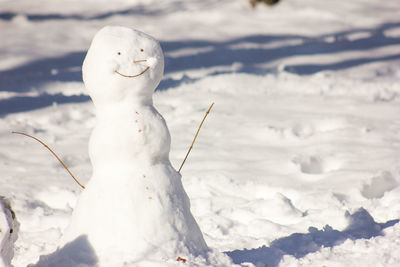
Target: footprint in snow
315 164
378 185
309 129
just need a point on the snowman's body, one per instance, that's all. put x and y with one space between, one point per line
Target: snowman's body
134 206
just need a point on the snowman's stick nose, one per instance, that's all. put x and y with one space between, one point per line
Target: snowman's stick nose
141 60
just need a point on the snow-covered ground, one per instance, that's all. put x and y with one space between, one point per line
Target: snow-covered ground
298 163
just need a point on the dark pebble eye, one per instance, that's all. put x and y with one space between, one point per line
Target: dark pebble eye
142 50
119 53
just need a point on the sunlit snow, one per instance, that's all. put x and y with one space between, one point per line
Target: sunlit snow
297 164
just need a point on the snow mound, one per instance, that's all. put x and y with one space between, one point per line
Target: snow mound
8 232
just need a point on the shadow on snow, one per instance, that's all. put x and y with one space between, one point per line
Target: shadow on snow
138 10
225 53
78 252
361 225
209 54
26 103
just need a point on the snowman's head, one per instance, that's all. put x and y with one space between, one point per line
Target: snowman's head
122 64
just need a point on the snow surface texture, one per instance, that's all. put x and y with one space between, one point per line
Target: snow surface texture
9 227
304 132
134 210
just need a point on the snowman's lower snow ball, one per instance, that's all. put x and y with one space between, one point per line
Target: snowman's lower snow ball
134 210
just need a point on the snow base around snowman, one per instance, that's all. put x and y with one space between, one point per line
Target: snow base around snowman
134 210
79 253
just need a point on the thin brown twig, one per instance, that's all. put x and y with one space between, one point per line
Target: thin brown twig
52 152
198 130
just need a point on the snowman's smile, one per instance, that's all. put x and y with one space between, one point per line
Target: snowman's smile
132 76
136 75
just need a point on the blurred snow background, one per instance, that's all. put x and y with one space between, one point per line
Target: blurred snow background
297 164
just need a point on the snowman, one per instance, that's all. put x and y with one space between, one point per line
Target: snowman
134 210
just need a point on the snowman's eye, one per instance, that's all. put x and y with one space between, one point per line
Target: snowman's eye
142 50
119 53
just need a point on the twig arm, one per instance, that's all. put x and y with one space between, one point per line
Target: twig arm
197 133
54 154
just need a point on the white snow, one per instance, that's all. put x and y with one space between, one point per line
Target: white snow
305 129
